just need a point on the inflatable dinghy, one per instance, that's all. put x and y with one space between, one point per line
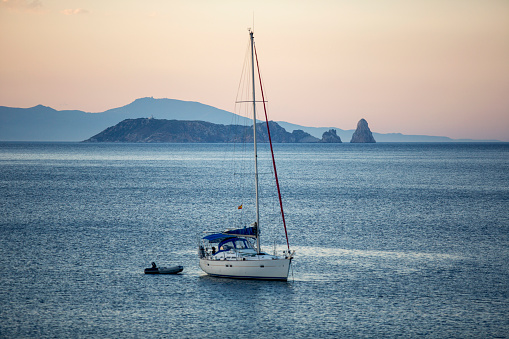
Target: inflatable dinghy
163 270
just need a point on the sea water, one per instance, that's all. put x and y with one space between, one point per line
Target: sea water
391 240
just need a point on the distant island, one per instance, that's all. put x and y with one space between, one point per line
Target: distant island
185 131
42 123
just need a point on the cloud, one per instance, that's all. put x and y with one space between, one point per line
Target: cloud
22 5
74 11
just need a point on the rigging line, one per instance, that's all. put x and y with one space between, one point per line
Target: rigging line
244 71
241 112
272 152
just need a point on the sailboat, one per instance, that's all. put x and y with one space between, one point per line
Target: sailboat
236 253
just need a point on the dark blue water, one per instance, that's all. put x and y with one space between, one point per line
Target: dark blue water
392 240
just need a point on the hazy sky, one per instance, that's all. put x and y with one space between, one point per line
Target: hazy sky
435 67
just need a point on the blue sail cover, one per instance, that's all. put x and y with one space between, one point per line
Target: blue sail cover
241 232
246 231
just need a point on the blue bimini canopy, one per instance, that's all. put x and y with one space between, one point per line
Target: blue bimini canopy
217 237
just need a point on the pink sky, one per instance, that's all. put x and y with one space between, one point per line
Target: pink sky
435 67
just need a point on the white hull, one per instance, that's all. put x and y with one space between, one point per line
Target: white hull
264 269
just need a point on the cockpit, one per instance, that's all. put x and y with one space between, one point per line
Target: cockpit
234 243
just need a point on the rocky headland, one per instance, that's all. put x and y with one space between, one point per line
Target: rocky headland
182 131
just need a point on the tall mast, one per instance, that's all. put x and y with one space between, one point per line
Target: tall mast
272 151
254 141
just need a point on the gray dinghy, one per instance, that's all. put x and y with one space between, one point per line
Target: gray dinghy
163 270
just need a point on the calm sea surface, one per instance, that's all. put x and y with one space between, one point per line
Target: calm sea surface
392 240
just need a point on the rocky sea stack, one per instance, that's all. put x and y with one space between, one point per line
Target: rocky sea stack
362 134
331 137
